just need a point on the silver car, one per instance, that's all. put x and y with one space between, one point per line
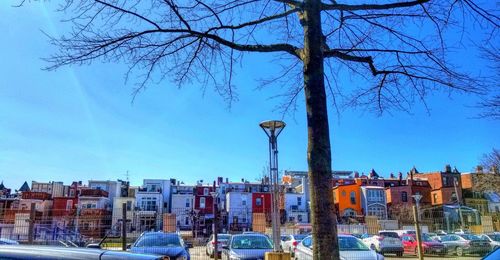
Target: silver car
247 246
493 238
222 240
350 248
465 244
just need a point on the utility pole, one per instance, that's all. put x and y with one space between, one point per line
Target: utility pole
124 226
31 224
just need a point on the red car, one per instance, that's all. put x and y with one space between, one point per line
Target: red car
429 246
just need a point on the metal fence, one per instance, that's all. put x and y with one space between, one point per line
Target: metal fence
117 229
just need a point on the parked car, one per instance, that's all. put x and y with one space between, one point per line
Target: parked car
493 255
5 241
222 240
429 246
385 242
25 252
247 246
350 248
160 243
465 244
461 231
493 238
290 242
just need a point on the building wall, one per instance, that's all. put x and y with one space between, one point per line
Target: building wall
261 202
182 206
239 210
342 198
370 202
118 207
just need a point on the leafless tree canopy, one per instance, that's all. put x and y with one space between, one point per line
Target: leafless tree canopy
399 48
491 159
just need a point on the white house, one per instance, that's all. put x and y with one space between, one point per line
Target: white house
374 201
295 207
182 207
118 213
239 210
113 188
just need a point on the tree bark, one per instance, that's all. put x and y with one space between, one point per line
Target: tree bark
323 220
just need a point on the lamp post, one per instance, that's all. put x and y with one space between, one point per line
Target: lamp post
214 224
416 217
272 129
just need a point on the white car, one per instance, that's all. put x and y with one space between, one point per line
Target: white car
222 240
385 242
350 248
290 242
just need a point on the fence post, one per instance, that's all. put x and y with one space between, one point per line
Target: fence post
124 226
31 224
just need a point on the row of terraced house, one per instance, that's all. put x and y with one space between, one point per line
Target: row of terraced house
450 199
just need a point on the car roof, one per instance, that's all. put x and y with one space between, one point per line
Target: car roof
66 253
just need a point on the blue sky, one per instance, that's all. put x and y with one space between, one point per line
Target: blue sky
78 123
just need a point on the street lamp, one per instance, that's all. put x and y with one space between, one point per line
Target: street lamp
214 223
417 198
273 128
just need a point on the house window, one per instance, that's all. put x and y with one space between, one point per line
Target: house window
69 204
205 191
188 204
202 203
243 201
404 196
148 204
353 197
258 201
129 205
186 221
299 218
435 198
343 193
243 220
299 201
453 196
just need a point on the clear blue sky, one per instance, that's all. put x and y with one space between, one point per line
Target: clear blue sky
78 123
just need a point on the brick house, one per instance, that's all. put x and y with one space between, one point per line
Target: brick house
446 187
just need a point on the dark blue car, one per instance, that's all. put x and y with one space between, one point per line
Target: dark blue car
159 243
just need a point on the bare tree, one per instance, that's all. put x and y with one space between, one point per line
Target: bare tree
491 160
399 49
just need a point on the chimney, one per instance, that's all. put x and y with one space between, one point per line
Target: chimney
479 169
227 180
447 169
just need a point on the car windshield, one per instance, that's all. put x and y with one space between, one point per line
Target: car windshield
251 242
351 244
158 240
223 237
471 237
299 237
427 238
495 237
389 234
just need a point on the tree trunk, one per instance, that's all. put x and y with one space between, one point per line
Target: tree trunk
323 220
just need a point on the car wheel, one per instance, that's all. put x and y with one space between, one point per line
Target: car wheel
459 251
399 254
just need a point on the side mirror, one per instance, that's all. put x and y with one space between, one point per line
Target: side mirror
225 247
189 245
129 246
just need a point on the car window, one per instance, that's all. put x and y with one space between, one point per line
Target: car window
299 237
389 234
223 237
495 237
307 242
251 242
351 244
158 240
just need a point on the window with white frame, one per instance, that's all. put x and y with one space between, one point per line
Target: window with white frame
202 202
69 204
188 203
299 201
243 201
205 191
149 204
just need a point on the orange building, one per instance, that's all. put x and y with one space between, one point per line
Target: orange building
347 198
